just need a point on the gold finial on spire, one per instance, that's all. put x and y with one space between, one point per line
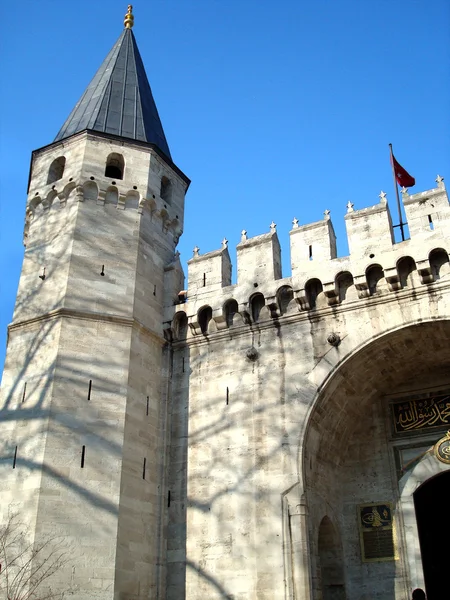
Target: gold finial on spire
129 18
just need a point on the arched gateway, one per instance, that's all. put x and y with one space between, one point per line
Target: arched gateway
369 466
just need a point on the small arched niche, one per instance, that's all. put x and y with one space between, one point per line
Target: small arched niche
180 326
56 170
313 288
375 279
344 285
284 296
112 195
230 309
204 317
166 189
405 269
331 564
439 263
115 165
256 304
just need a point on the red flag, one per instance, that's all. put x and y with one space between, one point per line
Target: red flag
404 179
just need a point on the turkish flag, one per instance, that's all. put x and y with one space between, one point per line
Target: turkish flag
404 179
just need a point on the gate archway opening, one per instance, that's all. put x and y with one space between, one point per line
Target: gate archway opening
350 456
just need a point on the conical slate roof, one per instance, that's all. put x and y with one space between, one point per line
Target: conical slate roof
119 100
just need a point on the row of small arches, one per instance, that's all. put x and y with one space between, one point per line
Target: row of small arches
90 191
114 169
314 296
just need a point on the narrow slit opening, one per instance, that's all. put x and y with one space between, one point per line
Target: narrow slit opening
83 455
24 391
154 290
430 222
204 279
228 396
168 499
143 468
15 458
183 364
90 389
148 400
310 253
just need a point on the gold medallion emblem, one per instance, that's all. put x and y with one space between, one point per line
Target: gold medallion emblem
442 449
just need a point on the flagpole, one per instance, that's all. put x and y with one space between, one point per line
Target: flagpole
398 197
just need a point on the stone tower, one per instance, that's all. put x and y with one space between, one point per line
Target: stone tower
84 391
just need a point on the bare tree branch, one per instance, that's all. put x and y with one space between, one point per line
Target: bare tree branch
25 565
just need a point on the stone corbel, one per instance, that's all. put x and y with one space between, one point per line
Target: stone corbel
45 204
194 325
393 280
246 317
425 271
219 319
101 197
302 300
121 201
141 205
79 193
265 314
361 286
271 303
62 199
329 289
168 334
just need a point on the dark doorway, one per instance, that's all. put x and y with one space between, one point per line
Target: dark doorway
433 524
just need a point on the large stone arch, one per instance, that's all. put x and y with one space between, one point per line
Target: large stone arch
350 454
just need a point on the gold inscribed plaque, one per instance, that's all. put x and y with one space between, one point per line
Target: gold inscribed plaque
419 413
376 532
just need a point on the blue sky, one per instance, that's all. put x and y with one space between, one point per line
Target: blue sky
274 110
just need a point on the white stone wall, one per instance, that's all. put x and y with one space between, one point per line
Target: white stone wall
273 408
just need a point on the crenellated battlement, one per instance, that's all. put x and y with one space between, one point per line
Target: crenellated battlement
376 265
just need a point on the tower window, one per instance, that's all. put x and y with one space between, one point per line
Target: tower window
114 166
56 170
166 190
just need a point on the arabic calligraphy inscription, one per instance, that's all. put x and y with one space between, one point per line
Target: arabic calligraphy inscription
417 414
